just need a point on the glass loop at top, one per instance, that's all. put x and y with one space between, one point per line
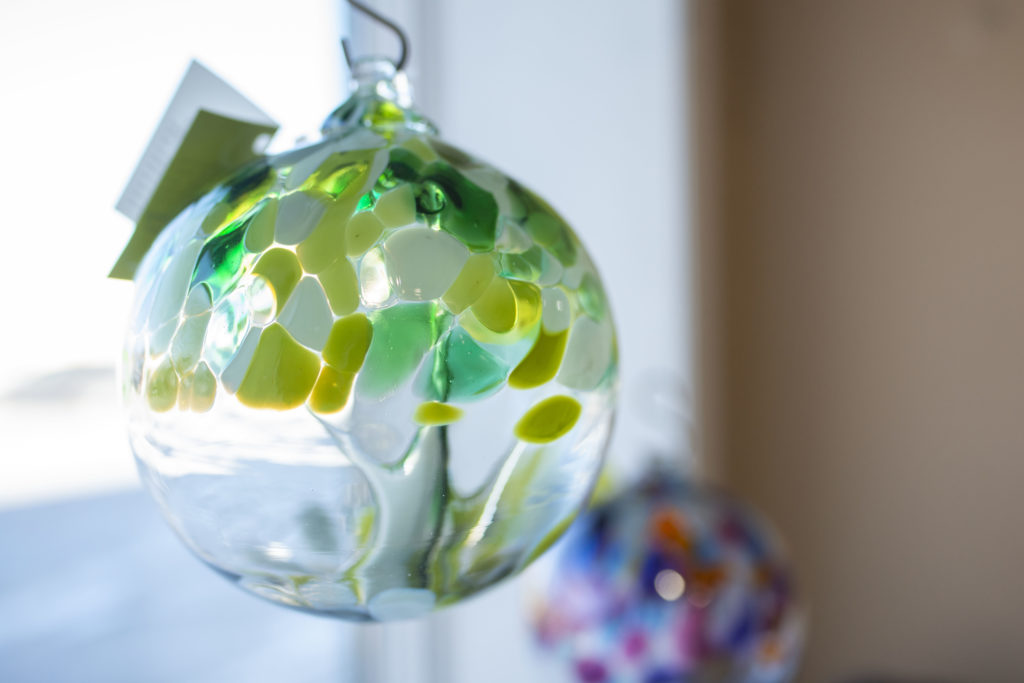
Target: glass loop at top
381 100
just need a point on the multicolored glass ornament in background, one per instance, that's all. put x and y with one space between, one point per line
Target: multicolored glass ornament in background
373 375
671 581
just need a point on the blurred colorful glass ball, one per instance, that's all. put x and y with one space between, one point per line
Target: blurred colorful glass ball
672 581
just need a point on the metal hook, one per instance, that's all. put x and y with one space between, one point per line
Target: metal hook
402 39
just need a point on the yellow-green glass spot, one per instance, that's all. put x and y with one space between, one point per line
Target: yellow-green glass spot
528 303
220 263
281 374
504 307
362 232
383 113
345 180
396 207
281 270
162 387
204 388
347 343
541 364
326 243
341 286
331 391
592 297
364 527
434 413
260 233
341 175
402 334
496 307
187 345
472 281
549 420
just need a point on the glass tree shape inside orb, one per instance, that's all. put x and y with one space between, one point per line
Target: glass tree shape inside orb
371 376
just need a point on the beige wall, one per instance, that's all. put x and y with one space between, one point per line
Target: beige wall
861 240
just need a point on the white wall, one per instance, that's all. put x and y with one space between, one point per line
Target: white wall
584 103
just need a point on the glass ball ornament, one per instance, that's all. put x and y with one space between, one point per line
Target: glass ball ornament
671 581
370 376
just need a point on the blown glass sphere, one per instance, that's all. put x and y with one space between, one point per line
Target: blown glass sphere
667 582
370 376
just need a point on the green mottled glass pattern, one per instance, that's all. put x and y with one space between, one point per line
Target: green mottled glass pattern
371 376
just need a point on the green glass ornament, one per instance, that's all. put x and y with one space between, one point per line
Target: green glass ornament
371 376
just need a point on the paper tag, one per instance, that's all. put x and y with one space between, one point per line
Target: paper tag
208 131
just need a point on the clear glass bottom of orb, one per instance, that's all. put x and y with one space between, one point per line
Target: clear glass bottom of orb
283 511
